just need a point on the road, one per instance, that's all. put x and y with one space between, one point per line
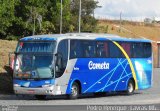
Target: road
143 97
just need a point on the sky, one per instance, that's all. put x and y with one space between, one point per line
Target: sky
135 10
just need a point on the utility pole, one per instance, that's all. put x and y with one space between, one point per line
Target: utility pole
120 22
61 19
34 23
80 16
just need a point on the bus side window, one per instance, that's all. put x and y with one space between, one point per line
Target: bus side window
114 51
63 51
102 49
88 49
147 50
137 50
127 48
75 49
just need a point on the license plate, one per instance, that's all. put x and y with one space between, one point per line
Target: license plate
31 91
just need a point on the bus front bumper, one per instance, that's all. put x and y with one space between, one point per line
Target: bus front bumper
34 91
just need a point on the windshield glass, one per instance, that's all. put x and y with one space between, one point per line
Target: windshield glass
35 47
34 59
33 66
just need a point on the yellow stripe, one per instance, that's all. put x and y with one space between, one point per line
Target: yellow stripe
129 61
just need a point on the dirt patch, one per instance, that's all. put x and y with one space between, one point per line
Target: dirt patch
5 48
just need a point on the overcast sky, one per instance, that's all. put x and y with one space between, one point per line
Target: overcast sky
131 9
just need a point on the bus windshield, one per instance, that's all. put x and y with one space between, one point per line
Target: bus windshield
34 60
35 47
33 66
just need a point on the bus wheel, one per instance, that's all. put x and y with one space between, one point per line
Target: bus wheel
130 87
74 91
40 97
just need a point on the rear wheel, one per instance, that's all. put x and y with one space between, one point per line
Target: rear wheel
74 91
40 97
130 87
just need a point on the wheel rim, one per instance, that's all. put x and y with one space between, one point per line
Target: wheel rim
130 88
74 91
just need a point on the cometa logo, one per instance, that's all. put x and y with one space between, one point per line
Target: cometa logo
94 66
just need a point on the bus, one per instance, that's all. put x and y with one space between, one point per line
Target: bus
77 63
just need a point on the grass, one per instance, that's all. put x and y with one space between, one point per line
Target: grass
5 48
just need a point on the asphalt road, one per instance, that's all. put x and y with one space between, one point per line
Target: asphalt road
143 97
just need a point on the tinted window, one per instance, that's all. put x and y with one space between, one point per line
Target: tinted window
82 49
137 50
89 49
36 47
63 51
133 49
107 49
75 49
127 47
114 51
102 49
147 50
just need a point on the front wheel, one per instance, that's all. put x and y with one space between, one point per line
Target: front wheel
130 87
74 91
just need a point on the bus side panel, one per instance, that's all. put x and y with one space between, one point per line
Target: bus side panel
143 68
101 74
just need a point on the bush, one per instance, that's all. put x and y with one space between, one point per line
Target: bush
11 37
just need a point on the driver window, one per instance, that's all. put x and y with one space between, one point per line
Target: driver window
63 52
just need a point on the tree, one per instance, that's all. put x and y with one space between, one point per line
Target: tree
41 16
28 17
6 15
87 15
54 10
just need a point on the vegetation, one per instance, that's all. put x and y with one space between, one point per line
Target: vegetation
28 17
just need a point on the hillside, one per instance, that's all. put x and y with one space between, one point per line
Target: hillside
132 30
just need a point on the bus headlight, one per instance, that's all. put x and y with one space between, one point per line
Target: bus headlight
47 85
16 85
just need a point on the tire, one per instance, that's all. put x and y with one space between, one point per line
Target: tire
130 88
74 91
40 97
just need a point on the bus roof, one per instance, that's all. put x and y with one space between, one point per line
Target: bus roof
87 36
